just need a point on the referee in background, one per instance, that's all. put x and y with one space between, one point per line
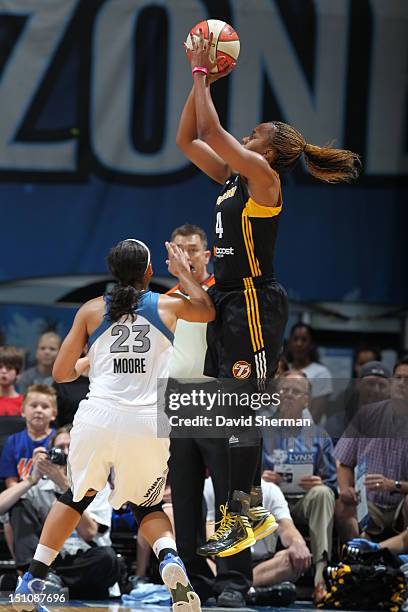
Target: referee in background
190 458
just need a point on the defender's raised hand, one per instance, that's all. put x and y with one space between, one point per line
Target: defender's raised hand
177 262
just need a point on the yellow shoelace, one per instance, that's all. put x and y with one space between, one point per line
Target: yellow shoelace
225 523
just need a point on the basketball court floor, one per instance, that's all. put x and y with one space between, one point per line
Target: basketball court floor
82 606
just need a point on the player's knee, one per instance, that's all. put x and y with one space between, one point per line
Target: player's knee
67 499
140 512
321 491
284 559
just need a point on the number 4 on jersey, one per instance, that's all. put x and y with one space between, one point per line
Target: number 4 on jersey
219 230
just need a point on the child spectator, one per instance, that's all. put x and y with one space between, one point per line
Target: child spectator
39 410
41 374
11 362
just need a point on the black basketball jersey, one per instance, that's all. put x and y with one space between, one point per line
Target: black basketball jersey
245 235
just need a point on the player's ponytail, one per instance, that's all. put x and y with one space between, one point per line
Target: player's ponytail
332 165
128 262
122 300
324 163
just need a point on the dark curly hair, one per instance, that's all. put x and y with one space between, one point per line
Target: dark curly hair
127 262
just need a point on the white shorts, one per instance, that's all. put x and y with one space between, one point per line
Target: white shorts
119 440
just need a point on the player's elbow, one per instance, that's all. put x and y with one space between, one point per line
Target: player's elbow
184 142
60 374
182 137
57 375
181 141
211 134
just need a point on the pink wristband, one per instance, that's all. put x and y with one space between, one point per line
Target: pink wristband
202 69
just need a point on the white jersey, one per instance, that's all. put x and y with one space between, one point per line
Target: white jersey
128 357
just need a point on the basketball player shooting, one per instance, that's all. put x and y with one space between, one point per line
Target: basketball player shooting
245 339
130 339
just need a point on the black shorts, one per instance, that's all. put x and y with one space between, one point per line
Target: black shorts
245 340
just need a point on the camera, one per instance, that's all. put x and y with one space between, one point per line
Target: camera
57 456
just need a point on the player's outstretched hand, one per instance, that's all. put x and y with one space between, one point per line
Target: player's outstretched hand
200 54
215 76
177 262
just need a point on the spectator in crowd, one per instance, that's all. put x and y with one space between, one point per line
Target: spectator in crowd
87 563
283 366
372 385
274 573
364 353
311 496
349 399
11 362
190 456
41 374
377 436
39 411
302 355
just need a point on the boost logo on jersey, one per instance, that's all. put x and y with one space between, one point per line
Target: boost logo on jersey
221 251
241 370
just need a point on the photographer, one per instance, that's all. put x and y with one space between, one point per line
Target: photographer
87 565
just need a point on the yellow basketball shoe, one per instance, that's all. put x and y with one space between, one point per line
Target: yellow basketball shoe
234 532
263 522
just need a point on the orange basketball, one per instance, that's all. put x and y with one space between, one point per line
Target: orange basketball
225 45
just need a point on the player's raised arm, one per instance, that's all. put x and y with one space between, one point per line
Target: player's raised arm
250 164
198 151
199 308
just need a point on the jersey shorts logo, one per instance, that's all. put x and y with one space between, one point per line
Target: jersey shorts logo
241 370
153 493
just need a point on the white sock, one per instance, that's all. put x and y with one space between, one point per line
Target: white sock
162 543
45 555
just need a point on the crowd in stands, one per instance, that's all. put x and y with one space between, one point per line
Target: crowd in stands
316 502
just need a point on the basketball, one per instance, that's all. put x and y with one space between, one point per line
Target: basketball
225 45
